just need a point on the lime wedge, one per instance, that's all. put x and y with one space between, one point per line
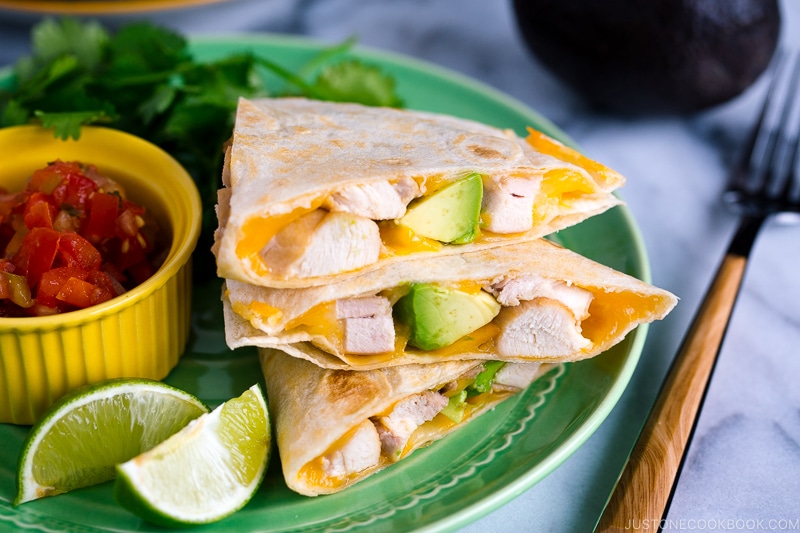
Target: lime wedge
78 441
206 471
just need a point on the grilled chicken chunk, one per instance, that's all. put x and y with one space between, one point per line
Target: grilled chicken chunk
368 324
377 201
508 205
511 292
321 242
361 451
408 414
516 375
539 328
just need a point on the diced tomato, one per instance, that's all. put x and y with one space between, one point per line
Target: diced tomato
46 179
74 191
82 294
105 281
102 216
136 208
9 202
74 194
37 253
52 282
69 240
128 253
39 211
126 224
78 252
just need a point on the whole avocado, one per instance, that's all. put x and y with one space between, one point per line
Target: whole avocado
644 56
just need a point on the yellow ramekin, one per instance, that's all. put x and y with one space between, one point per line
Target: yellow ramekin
141 333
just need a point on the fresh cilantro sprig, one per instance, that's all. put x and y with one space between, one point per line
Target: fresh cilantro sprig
143 80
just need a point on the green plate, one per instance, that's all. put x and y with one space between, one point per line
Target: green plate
447 485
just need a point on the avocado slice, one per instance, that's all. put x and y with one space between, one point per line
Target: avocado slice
449 215
483 381
457 404
438 317
455 408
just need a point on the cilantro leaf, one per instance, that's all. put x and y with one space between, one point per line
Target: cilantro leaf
326 56
14 114
36 82
68 124
224 81
67 36
158 102
142 49
354 81
288 76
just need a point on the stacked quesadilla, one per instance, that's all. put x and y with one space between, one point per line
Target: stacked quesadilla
391 267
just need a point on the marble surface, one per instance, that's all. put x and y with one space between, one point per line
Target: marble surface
743 468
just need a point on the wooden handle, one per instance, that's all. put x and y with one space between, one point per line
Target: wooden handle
643 490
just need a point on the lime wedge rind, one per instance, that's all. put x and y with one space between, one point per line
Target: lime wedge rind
79 439
205 472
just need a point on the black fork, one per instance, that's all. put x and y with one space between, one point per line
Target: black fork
764 184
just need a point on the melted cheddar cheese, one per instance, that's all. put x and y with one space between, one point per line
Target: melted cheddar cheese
313 472
558 188
259 311
321 321
401 240
258 231
547 145
609 312
432 429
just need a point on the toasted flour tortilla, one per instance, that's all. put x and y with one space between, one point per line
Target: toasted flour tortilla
316 411
291 162
617 303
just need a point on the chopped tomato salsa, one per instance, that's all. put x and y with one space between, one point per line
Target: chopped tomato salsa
69 240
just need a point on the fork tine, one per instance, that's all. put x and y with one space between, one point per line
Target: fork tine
762 183
741 172
789 175
767 176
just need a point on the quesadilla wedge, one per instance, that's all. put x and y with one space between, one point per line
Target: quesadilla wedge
318 191
527 302
334 428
